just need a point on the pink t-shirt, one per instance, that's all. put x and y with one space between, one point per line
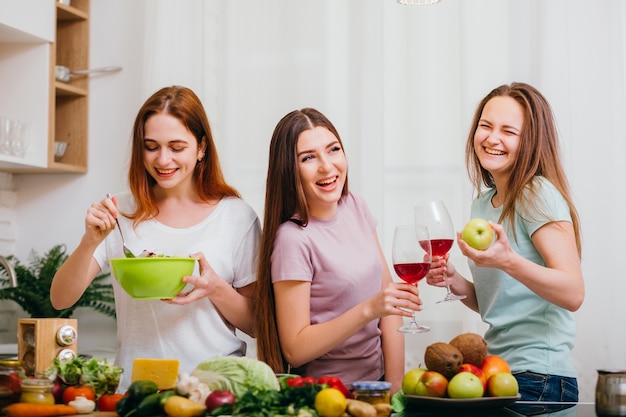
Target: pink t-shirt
341 260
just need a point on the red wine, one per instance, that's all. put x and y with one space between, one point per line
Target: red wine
439 246
412 272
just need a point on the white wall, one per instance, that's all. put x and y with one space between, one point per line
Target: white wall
400 83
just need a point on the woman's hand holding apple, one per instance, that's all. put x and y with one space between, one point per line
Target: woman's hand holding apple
497 255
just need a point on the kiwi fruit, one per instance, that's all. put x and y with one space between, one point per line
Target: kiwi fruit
472 346
443 358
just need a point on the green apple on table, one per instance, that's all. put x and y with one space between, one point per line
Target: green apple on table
410 380
469 367
465 385
502 384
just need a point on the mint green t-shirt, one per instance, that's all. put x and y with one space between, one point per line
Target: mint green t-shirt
530 333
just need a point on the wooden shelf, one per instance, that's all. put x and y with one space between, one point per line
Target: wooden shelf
63 89
71 13
71 97
56 111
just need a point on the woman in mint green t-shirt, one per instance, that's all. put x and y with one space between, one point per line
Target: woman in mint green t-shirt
529 281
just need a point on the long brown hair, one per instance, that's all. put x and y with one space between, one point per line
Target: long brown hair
184 104
538 155
284 198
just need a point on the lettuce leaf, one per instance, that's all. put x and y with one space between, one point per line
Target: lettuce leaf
236 374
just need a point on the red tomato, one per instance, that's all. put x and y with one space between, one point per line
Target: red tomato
107 402
70 393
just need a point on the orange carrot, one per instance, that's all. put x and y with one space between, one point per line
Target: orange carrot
38 410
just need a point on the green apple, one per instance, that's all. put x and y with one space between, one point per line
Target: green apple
465 385
502 384
470 367
432 384
478 233
410 380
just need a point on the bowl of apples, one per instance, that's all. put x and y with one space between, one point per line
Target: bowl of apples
460 374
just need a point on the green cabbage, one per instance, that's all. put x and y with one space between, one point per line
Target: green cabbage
236 374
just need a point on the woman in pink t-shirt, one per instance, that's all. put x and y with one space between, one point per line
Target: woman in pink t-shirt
326 302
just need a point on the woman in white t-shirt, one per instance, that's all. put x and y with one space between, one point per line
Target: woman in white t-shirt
178 204
326 303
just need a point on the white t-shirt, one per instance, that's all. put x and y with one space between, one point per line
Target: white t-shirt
195 332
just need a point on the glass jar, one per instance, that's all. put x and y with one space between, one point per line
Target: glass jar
11 374
611 392
37 391
373 392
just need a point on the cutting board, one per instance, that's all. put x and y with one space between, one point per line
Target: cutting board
98 414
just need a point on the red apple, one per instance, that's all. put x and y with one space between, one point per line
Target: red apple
492 365
469 367
432 384
503 384
218 399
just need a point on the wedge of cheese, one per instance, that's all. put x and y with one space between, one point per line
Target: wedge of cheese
162 371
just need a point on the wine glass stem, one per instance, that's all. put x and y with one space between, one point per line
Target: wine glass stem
413 318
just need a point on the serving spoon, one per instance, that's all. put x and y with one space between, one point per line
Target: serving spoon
127 252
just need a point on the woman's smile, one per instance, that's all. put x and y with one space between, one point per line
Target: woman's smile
328 183
166 173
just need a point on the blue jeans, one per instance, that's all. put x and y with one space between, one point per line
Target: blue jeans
544 388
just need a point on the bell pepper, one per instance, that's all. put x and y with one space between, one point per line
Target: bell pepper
335 382
138 391
299 381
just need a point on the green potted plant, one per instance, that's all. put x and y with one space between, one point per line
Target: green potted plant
32 292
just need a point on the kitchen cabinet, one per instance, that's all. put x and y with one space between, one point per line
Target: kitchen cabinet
35 37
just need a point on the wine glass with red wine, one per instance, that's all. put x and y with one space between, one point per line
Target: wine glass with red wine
411 261
434 215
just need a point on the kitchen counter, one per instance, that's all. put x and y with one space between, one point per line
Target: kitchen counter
524 409
519 409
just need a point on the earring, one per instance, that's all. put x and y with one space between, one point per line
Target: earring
201 156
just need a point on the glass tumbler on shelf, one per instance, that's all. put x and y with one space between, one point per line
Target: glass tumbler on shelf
5 144
19 144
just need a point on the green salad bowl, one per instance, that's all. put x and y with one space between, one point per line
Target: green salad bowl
152 277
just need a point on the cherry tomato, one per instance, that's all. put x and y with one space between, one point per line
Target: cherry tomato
107 402
71 392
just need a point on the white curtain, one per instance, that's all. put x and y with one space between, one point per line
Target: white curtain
401 83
